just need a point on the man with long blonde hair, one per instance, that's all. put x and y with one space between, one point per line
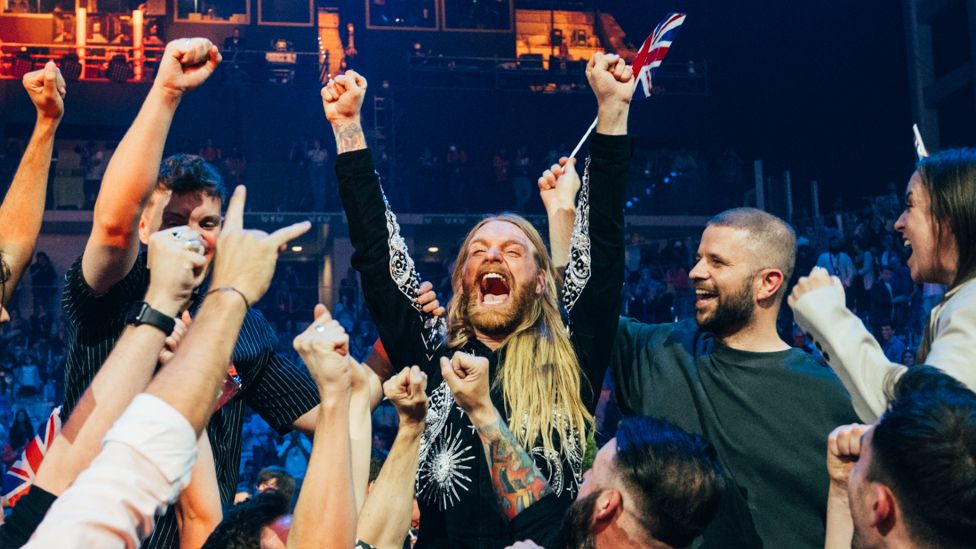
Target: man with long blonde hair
545 374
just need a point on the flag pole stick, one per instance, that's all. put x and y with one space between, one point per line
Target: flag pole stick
669 24
583 140
920 149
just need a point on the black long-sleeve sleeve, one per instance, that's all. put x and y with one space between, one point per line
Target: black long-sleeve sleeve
540 522
593 302
390 283
595 275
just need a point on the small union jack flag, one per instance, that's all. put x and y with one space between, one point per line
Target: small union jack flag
19 478
654 49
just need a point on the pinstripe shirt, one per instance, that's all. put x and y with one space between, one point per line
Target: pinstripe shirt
270 384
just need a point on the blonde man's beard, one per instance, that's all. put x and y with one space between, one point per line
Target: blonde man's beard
498 321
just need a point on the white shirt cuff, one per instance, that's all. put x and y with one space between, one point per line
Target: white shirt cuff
160 434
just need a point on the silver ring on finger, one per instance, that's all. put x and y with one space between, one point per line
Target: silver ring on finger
176 234
320 328
194 245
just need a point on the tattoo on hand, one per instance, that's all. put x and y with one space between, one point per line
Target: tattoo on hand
517 481
349 137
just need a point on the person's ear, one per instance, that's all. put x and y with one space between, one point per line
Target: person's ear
770 281
607 504
883 511
540 285
143 229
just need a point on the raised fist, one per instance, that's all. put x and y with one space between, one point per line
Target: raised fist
611 79
324 347
47 89
185 64
559 184
175 269
406 391
843 449
343 97
818 278
467 376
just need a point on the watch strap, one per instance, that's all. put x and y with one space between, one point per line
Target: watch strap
141 313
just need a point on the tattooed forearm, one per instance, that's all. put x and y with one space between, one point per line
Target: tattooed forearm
517 481
349 136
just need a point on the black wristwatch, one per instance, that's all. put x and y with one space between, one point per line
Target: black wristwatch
141 313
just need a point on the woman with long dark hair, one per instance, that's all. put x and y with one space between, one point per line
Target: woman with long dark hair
21 431
939 227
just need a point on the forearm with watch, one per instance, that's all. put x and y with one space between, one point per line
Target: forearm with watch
124 374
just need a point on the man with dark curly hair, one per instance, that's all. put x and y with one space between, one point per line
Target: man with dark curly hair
247 524
140 195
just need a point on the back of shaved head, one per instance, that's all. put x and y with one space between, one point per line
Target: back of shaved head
771 239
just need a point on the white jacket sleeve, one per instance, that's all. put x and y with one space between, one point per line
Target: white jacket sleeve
145 462
859 361
849 348
954 327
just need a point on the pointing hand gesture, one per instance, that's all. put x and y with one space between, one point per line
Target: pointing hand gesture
245 258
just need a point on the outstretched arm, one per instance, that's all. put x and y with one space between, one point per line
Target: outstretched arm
367 392
23 207
390 283
343 99
134 168
854 354
595 275
149 452
558 187
176 272
850 349
385 519
325 515
843 450
613 84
